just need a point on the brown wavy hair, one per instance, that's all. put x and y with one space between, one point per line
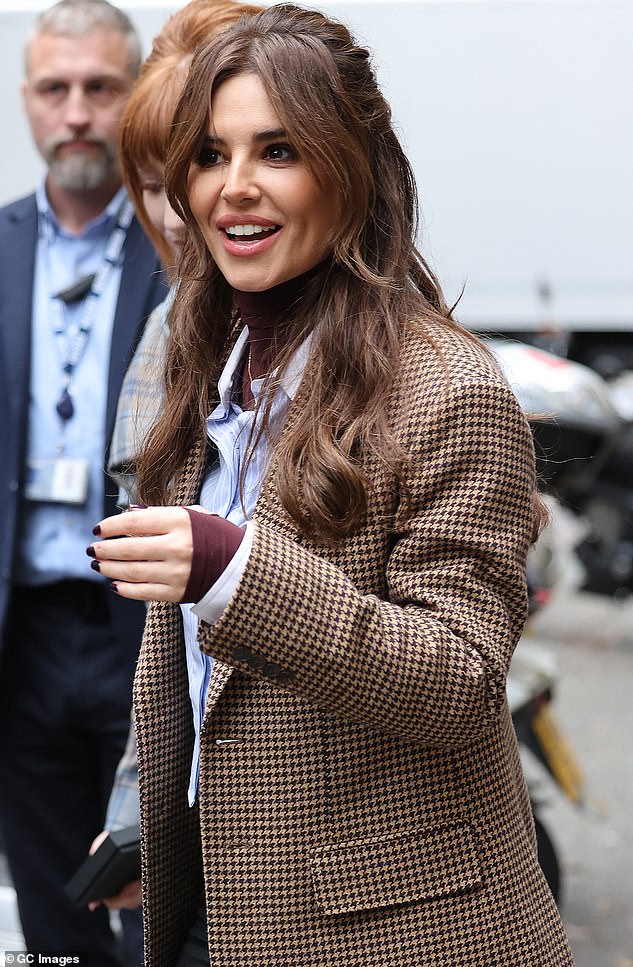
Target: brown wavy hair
324 91
147 118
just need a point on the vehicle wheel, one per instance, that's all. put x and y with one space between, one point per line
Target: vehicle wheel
547 858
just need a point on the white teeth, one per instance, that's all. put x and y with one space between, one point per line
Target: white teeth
239 230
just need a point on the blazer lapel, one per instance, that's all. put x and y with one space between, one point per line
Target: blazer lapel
265 508
18 233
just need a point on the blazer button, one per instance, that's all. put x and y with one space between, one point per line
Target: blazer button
285 676
255 661
242 653
271 670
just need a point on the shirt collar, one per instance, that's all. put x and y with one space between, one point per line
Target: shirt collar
289 382
102 224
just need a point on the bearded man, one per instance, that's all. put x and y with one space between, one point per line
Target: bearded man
78 278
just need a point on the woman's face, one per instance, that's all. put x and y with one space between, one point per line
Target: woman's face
161 214
263 215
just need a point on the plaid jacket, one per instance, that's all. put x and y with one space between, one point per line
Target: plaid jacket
140 401
361 795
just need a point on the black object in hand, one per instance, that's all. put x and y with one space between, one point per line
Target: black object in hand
116 862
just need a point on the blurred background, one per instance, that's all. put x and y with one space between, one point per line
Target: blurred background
518 118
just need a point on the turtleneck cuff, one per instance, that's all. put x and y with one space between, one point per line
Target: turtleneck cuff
215 541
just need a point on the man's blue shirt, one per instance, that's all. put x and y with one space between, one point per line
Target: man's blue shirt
53 536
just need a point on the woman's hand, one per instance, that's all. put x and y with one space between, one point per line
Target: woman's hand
128 898
146 554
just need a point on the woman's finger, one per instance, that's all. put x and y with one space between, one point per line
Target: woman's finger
97 841
145 572
149 592
141 523
129 898
161 547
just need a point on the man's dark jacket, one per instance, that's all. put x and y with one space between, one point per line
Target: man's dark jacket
142 288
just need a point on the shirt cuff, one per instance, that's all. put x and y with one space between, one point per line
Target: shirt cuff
123 806
211 607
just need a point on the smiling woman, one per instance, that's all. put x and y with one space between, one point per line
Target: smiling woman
261 211
342 495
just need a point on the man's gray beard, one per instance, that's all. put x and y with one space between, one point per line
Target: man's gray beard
83 172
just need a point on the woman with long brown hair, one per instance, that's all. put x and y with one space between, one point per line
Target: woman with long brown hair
342 495
143 138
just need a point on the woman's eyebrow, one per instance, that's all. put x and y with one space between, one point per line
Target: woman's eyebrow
211 140
270 135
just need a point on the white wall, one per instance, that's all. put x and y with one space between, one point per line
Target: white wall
518 118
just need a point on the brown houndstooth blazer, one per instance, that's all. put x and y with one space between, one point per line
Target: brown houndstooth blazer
361 796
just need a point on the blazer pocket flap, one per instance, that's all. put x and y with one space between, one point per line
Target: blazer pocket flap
432 862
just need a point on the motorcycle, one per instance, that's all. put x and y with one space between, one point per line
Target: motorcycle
575 424
530 687
607 505
596 366
574 418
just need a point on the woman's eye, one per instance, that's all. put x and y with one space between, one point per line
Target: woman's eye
154 187
208 158
281 152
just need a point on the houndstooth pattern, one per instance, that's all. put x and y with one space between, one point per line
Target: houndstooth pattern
368 808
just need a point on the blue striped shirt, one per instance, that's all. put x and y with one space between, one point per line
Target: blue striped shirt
228 427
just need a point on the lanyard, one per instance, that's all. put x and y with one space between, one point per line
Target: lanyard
71 339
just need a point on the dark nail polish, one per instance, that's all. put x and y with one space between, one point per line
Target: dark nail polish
90 551
96 530
114 587
95 565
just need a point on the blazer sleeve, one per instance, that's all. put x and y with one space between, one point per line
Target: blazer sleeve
428 659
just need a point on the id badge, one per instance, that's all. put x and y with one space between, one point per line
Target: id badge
58 480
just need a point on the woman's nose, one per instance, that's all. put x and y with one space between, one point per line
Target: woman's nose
240 182
172 223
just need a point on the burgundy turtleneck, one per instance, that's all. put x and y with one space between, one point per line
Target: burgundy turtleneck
266 315
215 540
